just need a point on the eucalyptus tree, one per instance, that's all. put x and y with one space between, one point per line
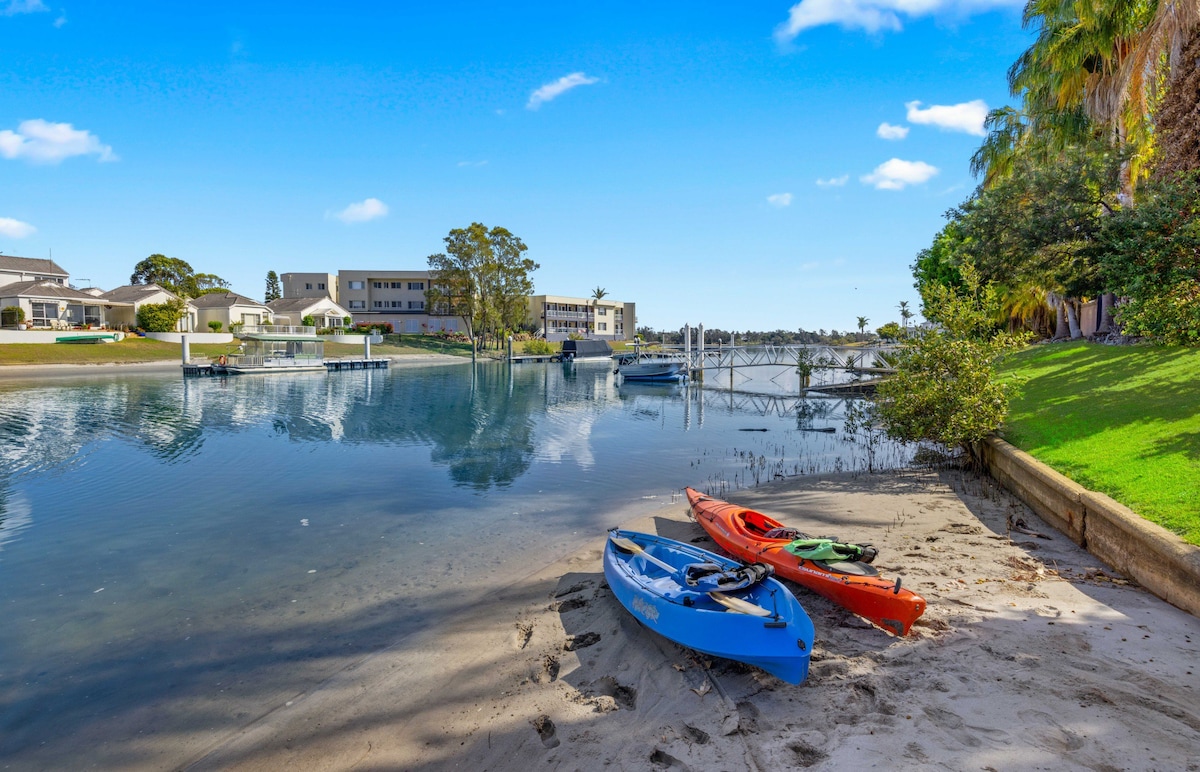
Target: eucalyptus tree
482 277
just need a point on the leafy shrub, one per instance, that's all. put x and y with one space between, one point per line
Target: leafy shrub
214 325
539 347
11 316
308 321
160 317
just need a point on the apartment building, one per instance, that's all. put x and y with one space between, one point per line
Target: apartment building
395 297
309 285
558 317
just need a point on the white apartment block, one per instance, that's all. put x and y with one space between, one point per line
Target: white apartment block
398 298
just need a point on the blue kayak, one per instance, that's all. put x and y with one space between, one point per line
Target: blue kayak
710 603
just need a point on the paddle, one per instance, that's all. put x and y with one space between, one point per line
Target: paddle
728 601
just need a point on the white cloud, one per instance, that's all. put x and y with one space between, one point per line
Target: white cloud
834 182
558 88
16 7
44 142
897 174
888 131
780 200
876 15
965 116
61 21
370 209
15 229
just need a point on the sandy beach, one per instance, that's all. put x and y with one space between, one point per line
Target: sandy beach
1031 656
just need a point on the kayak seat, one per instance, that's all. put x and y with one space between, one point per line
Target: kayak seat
852 567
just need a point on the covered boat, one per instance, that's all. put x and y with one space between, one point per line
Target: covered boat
641 365
753 537
710 603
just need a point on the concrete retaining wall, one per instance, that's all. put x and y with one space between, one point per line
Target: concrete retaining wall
1151 555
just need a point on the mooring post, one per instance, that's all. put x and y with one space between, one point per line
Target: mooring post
510 342
185 349
367 346
700 353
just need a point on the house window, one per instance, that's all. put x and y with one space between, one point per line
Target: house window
43 313
602 326
358 304
412 325
601 312
397 285
416 285
307 285
357 285
251 320
378 304
321 285
377 284
418 305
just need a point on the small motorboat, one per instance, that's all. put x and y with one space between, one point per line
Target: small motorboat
654 366
838 571
710 603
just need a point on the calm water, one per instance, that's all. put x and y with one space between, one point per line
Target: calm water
170 544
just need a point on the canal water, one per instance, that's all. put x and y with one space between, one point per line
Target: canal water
176 552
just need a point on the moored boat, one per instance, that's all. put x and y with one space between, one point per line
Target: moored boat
754 537
643 366
710 603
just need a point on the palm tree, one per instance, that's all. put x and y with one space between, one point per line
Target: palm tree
862 325
905 315
597 295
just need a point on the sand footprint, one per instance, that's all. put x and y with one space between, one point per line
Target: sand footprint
524 633
546 731
576 642
661 758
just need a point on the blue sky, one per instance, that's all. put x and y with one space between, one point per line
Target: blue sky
742 165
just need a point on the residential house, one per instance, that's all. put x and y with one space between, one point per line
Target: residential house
324 311
49 304
558 317
229 308
24 269
138 295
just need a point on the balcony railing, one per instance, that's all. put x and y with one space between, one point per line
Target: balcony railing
277 329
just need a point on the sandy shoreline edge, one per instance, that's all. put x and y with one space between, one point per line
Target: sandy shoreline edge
1031 655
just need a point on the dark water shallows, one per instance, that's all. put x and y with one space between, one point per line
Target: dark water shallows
188 551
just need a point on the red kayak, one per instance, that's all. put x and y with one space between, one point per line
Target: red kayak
854 585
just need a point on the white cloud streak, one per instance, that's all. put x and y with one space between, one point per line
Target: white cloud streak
875 16
888 131
18 7
834 182
40 141
897 174
15 229
559 87
363 211
780 200
967 117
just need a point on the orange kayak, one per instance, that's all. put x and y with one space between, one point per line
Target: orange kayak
856 586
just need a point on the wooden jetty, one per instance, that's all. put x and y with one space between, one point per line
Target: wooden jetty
200 369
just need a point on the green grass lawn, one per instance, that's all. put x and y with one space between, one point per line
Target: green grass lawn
134 349
1122 420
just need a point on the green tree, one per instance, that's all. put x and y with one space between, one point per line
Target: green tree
483 277
891 331
946 389
862 324
273 291
160 317
1151 255
176 275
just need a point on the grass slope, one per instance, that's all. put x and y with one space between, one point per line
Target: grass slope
1123 420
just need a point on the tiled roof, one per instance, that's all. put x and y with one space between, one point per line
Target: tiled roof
48 289
223 300
134 292
31 265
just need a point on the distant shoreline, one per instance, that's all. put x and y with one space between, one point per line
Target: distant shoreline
22 372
